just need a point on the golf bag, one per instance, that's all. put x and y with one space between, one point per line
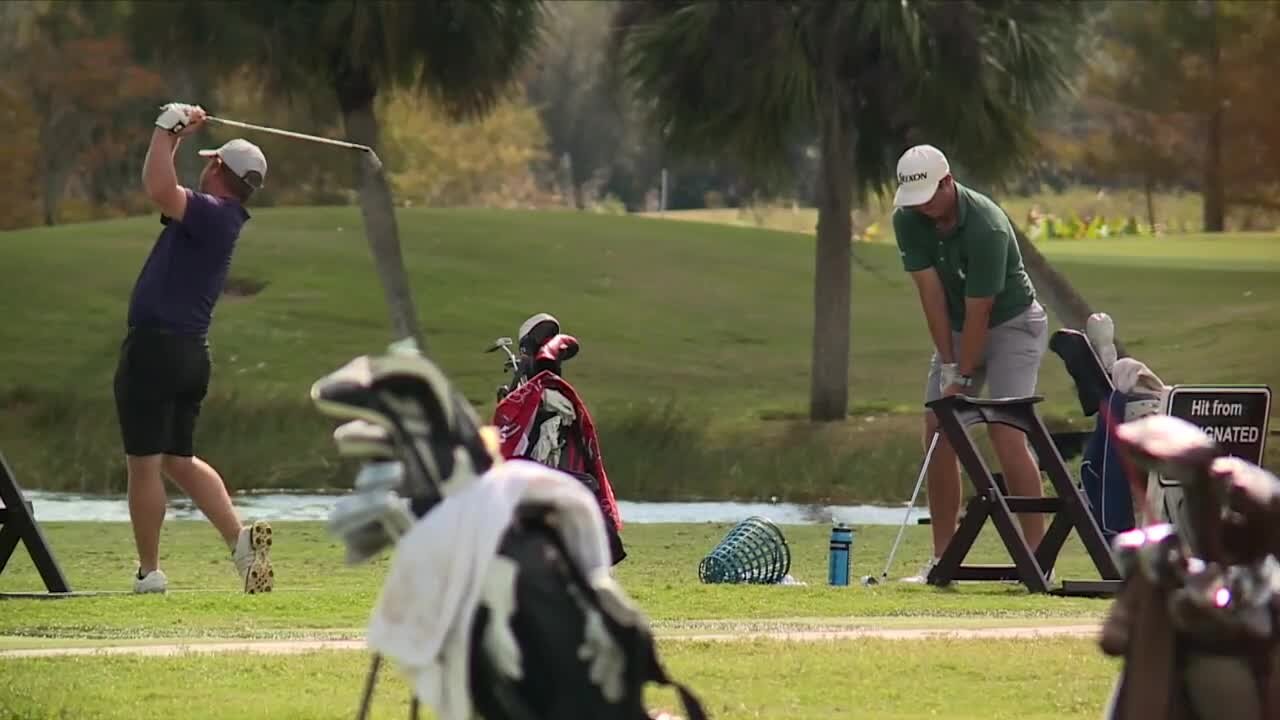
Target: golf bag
1113 390
499 602
1102 472
1196 619
541 417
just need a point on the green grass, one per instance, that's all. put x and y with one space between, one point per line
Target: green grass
758 679
695 342
319 597
317 594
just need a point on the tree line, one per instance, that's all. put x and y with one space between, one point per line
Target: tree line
584 104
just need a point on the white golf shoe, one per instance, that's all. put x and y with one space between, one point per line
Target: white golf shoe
922 577
153 582
252 557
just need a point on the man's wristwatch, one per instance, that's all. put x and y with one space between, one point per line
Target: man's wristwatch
964 381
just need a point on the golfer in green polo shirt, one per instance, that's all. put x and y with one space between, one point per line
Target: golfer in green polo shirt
982 314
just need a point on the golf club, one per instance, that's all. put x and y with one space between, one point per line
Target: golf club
374 161
924 469
512 364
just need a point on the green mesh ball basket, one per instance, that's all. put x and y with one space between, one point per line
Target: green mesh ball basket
753 552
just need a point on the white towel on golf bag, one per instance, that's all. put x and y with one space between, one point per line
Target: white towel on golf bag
446 565
547 449
1134 378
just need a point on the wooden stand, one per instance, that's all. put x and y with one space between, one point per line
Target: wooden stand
18 524
1069 509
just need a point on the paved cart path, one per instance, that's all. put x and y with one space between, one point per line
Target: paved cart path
728 631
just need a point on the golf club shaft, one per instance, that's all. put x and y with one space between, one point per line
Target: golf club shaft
289 133
924 470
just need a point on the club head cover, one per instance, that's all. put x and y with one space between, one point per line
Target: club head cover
535 331
363 439
375 515
554 352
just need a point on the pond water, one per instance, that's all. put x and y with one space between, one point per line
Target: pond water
64 507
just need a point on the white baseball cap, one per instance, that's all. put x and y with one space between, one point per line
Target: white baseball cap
242 158
919 170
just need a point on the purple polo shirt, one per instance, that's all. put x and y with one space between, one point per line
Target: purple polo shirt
187 268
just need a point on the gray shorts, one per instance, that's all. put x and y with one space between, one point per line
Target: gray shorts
1010 363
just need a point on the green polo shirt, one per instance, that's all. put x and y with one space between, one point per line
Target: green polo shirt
979 257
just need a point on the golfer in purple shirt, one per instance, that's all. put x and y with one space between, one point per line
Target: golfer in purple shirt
164 368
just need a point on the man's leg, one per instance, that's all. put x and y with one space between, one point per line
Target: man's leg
147 505
944 494
206 489
197 478
1015 351
250 547
1022 474
144 412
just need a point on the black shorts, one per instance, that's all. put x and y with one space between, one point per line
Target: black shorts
160 381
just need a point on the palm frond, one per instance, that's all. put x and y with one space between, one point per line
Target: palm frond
718 77
466 53
991 67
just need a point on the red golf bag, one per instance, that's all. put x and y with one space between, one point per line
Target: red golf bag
543 419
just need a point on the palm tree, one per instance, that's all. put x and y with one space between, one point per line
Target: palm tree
868 78
464 54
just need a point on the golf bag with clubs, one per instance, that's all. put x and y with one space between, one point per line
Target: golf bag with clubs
499 602
1196 618
541 417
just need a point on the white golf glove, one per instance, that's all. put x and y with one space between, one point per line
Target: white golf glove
950 374
175 117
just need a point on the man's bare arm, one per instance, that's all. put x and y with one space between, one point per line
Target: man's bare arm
977 315
160 178
933 300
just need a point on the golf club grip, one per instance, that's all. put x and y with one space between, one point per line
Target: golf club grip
288 133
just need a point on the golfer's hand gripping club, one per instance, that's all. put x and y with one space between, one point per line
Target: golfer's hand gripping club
180 118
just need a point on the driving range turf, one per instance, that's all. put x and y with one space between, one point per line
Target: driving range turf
695 341
317 596
694 363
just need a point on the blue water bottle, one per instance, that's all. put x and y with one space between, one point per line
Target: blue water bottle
838 559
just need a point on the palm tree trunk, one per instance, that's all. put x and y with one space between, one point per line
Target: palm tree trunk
1214 200
829 380
378 210
1147 187
1057 293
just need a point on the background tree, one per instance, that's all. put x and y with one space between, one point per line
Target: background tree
489 162
60 73
869 78
585 122
1164 82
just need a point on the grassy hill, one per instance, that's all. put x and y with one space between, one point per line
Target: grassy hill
695 341
1176 212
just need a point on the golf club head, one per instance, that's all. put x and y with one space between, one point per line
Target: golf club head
502 342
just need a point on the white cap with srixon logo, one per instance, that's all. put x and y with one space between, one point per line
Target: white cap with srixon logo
919 170
243 158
